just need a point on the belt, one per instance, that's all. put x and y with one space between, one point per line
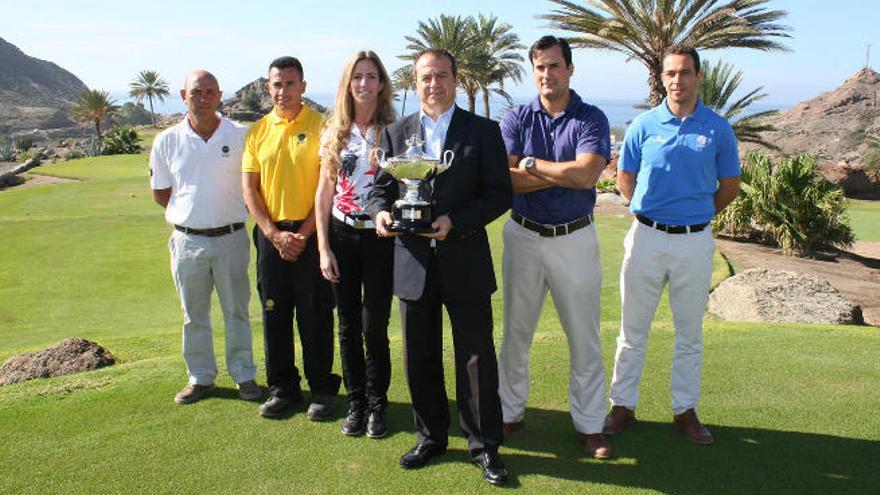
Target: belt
215 232
357 221
552 230
672 229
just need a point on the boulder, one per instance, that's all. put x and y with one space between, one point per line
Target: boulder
69 356
855 180
778 296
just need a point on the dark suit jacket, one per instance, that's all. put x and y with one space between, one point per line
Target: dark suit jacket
474 191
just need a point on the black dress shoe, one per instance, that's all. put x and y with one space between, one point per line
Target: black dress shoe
494 470
420 454
376 427
275 406
353 425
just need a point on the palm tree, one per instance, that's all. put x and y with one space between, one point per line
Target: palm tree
496 48
404 80
718 85
455 34
149 84
643 29
94 106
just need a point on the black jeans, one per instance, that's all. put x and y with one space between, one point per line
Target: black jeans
295 287
363 295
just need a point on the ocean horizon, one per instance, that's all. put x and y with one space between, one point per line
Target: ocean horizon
619 111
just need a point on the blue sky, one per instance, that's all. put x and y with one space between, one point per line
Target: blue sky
105 43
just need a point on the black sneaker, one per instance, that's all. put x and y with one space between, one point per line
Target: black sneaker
376 427
354 423
275 406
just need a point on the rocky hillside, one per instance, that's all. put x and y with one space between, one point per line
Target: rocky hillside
832 125
236 108
836 126
34 93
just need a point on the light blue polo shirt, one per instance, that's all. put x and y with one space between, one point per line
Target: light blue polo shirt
678 163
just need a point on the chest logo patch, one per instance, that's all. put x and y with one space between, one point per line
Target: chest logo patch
301 137
225 150
702 141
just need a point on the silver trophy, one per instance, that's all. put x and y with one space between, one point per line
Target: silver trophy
413 214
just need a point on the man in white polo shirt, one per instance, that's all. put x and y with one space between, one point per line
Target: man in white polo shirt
195 174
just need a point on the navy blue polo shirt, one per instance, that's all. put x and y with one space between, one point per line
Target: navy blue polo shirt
678 163
528 130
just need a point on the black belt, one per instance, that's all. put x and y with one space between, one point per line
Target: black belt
672 229
552 230
215 232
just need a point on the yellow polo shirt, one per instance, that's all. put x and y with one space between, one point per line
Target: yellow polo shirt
285 154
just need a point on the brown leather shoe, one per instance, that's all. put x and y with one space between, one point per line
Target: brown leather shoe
693 430
595 445
617 419
508 428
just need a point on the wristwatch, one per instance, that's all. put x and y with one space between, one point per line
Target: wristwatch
527 163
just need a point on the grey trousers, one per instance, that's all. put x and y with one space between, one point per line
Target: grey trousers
198 265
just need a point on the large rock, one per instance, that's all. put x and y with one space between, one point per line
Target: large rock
69 356
762 295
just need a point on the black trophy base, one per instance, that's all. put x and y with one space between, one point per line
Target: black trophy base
412 218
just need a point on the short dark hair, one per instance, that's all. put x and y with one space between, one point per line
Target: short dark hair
682 49
437 52
282 63
546 42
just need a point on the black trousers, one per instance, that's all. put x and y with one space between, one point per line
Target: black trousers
476 367
295 288
363 298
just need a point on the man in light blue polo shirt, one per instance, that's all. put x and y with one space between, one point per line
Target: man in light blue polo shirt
556 148
680 167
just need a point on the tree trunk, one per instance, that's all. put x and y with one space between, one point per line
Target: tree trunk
486 103
98 127
472 101
152 113
655 85
403 108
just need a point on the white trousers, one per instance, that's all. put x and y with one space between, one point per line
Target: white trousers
569 267
198 264
651 259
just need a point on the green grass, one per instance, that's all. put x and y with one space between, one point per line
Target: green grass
865 219
793 407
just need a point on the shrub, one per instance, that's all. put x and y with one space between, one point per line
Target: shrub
606 186
23 144
120 141
92 147
251 101
789 204
74 154
7 150
29 154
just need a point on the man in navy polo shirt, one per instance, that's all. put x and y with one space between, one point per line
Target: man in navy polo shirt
557 146
680 167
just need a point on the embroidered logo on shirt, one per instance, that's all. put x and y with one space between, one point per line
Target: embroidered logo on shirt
702 141
301 137
225 151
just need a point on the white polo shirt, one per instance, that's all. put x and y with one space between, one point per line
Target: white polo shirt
204 177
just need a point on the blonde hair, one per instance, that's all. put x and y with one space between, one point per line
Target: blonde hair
338 126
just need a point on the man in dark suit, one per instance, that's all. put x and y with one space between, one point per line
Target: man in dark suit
450 267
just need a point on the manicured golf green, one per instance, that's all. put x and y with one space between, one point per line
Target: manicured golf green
793 407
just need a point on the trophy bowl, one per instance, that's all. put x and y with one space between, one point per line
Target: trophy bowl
413 213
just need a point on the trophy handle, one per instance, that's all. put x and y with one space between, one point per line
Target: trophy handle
448 156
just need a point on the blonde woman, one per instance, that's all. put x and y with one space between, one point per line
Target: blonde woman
353 257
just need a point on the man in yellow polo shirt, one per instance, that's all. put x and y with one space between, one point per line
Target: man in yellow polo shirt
280 169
